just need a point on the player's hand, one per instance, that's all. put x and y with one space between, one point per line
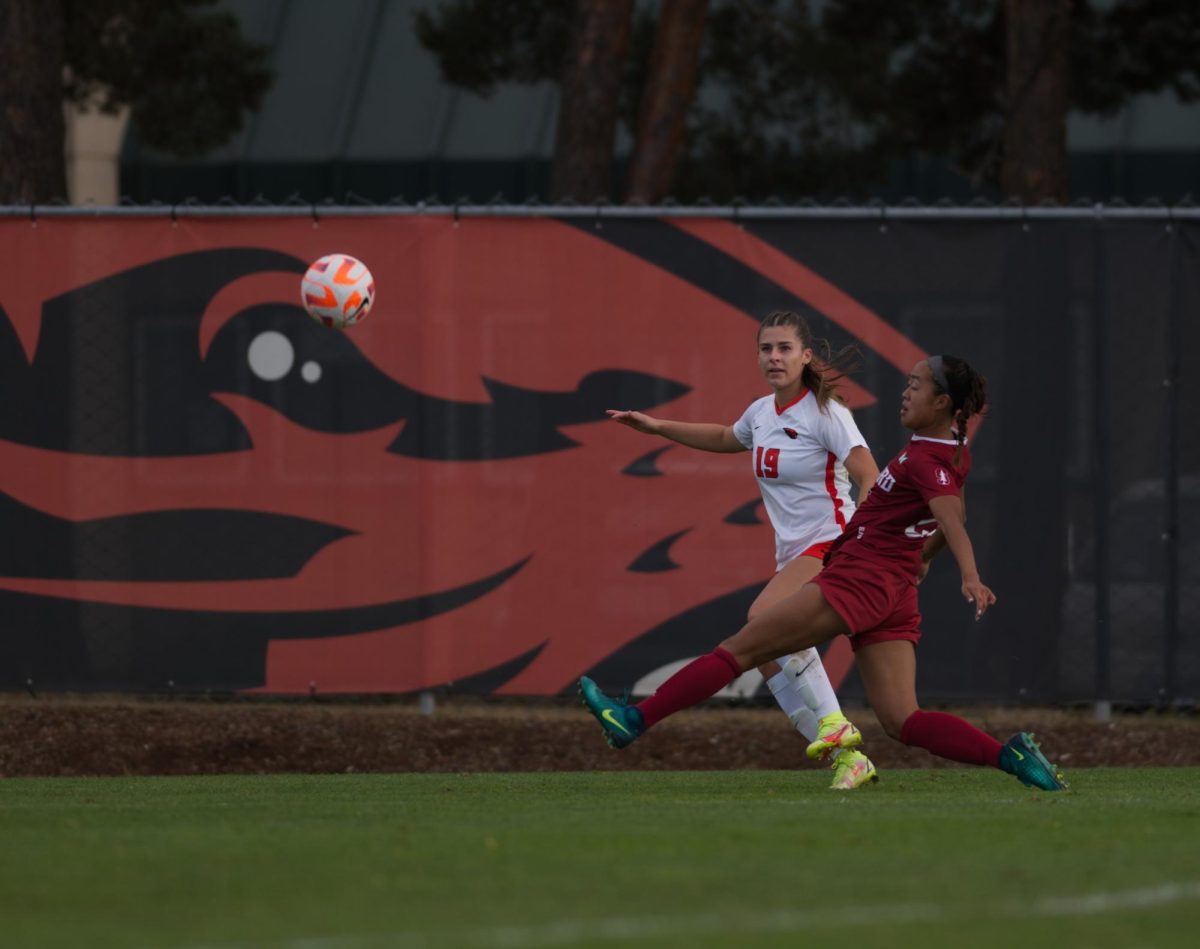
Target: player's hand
635 420
922 571
978 593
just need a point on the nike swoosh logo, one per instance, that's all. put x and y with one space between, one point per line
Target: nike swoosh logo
1020 757
807 665
608 716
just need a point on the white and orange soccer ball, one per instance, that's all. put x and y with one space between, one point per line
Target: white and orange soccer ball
338 290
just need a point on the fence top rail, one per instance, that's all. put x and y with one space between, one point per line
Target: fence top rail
601 211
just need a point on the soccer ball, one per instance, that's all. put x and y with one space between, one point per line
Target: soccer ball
337 290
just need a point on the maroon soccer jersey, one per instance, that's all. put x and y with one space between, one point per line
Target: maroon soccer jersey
890 527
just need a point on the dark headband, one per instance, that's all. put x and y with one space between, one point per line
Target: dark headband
938 370
939 373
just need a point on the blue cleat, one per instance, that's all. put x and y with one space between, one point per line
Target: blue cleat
621 723
1023 758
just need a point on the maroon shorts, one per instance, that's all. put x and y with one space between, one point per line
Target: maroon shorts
877 604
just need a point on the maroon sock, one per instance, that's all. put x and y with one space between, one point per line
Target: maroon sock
695 682
948 736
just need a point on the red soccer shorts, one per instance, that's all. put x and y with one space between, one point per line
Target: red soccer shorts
878 605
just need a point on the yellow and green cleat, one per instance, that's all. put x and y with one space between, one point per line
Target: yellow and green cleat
852 769
834 731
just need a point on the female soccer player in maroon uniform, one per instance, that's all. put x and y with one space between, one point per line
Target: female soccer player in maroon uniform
868 592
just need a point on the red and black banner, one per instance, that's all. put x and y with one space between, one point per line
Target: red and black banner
203 489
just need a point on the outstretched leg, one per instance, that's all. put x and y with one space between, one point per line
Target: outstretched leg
801 620
889 674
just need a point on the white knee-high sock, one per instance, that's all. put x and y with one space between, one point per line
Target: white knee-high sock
793 705
811 683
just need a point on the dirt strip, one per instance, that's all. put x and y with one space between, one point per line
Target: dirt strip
98 735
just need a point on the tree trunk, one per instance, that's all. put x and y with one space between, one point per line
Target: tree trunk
32 166
591 97
670 88
1035 133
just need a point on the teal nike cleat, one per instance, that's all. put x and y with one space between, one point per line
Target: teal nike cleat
621 723
1021 757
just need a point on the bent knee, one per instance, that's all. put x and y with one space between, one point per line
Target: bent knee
893 724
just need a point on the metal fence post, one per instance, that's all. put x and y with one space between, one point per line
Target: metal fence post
1170 535
1101 479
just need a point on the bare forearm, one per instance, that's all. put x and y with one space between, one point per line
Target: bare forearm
951 517
955 537
952 524
707 436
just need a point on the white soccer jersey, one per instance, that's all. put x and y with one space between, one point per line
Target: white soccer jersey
798 455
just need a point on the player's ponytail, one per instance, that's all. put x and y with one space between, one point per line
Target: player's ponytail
823 375
953 376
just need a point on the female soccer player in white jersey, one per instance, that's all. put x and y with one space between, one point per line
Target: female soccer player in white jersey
804 449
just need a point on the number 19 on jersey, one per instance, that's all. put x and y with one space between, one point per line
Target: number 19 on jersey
766 462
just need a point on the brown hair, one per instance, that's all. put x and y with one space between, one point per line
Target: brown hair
967 390
826 370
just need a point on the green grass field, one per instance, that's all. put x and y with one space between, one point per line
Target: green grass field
944 858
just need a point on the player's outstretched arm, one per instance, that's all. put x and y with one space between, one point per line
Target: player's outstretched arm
707 436
935 543
951 518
